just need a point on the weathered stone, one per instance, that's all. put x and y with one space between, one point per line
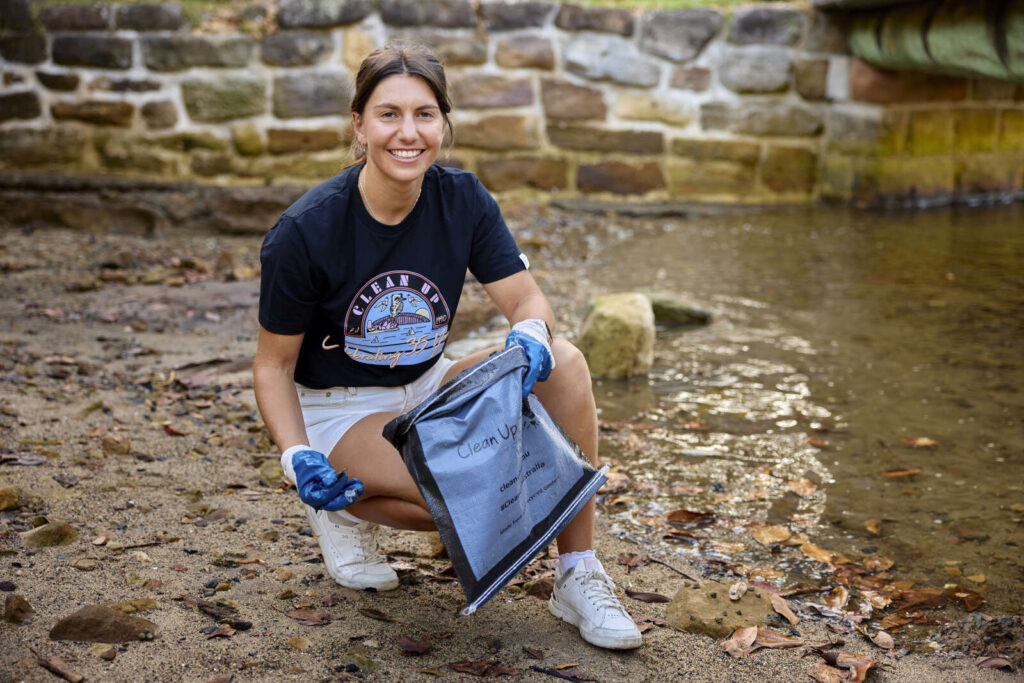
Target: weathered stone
866 133
498 132
103 52
286 140
645 107
507 16
12 78
150 16
704 178
717 150
54 532
695 78
16 609
19 105
160 114
693 609
207 164
576 18
974 130
489 90
606 140
987 173
766 26
301 168
869 84
131 155
827 34
669 309
987 89
902 179
98 624
930 132
755 69
1011 130
321 13
679 35
10 498
525 52
565 100
295 48
761 118
446 13
452 50
25 48
301 95
789 169
271 471
608 58
224 99
357 44
39 146
247 139
16 15
76 17
617 335
101 113
191 140
811 77
179 52
124 85
507 173
619 178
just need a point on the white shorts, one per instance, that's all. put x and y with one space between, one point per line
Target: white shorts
329 413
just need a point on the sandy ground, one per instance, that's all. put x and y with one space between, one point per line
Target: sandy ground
165 468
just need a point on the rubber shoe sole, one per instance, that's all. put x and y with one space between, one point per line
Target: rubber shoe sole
593 636
384 582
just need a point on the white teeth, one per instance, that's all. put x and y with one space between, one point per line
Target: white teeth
405 153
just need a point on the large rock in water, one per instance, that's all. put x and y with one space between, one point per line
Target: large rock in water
705 607
617 336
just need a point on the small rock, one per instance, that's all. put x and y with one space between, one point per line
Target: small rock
10 497
99 624
271 471
670 309
300 644
104 651
16 609
617 336
359 657
701 611
85 564
115 444
57 532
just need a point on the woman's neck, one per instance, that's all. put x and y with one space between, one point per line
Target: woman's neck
387 201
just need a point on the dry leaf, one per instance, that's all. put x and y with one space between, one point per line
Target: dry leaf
689 519
375 614
310 617
738 644
976 578
823 673
646 597
802 487
737 590
900 473
837 597
817 443
782 607
874 526
775 641
768 535
995 663
877 563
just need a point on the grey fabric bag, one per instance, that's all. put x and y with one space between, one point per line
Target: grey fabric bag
501 478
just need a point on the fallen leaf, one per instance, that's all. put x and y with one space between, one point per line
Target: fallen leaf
919 442
221 632
817 443
877 563
879 638
16 609
901 472
481 668
859 665
823 673
766 638
994 663
376 614
921 598
413 646
738 644
768 535
874 526
781 606
976 578
689 519
737 590
310 617
967 599
172 431
646 597
567 665
837 597
818 553
533 653
802 487
632 561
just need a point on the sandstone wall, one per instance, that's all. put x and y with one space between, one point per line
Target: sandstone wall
764 105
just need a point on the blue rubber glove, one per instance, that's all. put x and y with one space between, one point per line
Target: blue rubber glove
318 484
532 336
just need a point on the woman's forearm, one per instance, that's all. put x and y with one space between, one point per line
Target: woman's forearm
279 405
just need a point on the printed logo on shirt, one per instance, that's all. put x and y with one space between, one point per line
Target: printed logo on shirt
397 318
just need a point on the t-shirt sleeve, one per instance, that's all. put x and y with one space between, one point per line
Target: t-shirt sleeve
288 295
494 254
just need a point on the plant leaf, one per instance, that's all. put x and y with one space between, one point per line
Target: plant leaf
781 606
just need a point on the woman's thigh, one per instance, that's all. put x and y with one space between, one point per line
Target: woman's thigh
365 454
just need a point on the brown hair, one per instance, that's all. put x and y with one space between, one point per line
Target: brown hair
406 58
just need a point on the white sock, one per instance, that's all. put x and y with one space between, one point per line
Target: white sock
348 516
567 561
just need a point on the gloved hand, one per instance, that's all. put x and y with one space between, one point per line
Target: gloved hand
318 484
532 336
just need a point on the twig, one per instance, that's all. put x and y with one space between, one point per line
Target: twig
556 674
57 666
676 570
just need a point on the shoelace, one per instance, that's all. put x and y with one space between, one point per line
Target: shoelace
600 590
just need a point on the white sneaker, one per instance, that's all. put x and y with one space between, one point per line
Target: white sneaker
585 597
351 551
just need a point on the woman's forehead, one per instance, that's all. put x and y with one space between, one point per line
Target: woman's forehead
402 89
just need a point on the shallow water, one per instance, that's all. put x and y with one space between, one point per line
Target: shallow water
859 330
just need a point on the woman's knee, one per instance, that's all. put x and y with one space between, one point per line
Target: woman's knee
571 364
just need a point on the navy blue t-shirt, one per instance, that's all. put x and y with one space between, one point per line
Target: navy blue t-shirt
376 301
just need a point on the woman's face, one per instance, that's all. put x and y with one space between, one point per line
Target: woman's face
401 126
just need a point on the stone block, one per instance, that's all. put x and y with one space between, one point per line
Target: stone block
873 133
124 84
301 95
60 82
189 141
130 155
247 139
762 118
755 69
102 52
975 130
811 78
507 173
498 133
568 101
675 111
101 113
605 20
444 13
679 35
617 335
693 177
609 58
26 48
508 16
160 114
288 140
619 178
19 105
12 78
296 48
989 89
695 78
179 52
827 34
766 26
213 101
150 16
703 149
356 45
989 173
451 50
306 168
16 15
836 176
881 86
705 608
321 13
525 52
1011 129
94 17
476 90
930 132
41 146
913 178
606 140
207 164
789 169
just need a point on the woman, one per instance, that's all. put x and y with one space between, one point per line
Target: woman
361 277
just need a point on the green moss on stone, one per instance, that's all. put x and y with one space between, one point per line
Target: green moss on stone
1011 129
930 132
975 130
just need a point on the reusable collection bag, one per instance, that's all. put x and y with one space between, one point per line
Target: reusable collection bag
501 478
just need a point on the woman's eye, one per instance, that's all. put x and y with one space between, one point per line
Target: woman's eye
426 115
388 115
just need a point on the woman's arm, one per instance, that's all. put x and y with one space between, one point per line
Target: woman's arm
273 372
519 298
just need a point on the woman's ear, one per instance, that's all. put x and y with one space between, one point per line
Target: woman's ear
357 127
